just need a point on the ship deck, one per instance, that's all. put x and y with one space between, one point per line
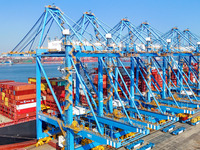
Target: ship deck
4 119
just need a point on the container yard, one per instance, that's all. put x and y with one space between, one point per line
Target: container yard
123 87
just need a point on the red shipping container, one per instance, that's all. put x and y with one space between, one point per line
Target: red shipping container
19 86
25 92
83 100
192 78
22 97
62 95
20 102
44 92
51 98
7 91
24 115
4 85
7 95
8 85
59 88
56 89
4 81
33 83
27 110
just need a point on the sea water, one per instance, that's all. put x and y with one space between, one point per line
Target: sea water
21 72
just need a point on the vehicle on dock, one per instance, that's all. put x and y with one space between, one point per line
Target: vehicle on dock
179 131
184 117
147 147
169 128
135 144
194 121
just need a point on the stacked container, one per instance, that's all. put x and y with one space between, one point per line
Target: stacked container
95 81
127 82
83 99
18 100
173 77
58 86
155 75
192 78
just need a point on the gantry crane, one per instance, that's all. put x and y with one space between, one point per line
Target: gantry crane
125 112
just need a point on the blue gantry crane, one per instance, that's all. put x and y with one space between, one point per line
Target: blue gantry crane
179 41
191 36
150 91
65 122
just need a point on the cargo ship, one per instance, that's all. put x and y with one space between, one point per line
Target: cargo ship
95 59
8 62
17 112
18 109
89 59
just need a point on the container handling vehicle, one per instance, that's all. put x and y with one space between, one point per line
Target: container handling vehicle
169 128
194 121
179 131
147 147
134 145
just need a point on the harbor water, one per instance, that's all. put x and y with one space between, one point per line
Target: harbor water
21 72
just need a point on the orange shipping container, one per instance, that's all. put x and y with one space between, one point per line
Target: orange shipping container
24 87
21 97
10 85
24 115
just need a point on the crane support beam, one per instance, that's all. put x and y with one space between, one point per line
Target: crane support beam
180 103
120 125
102 140
153 114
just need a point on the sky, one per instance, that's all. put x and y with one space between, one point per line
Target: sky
18 16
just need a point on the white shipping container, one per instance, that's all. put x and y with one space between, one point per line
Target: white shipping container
77 110
61 139
25 106
55 45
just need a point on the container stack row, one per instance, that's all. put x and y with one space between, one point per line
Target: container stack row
156 79
17 100
58 86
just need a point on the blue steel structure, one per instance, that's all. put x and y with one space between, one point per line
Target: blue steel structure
165 47
157 42
179 41
191 36
137 112
64 123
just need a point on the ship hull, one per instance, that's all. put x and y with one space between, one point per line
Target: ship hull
17 133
